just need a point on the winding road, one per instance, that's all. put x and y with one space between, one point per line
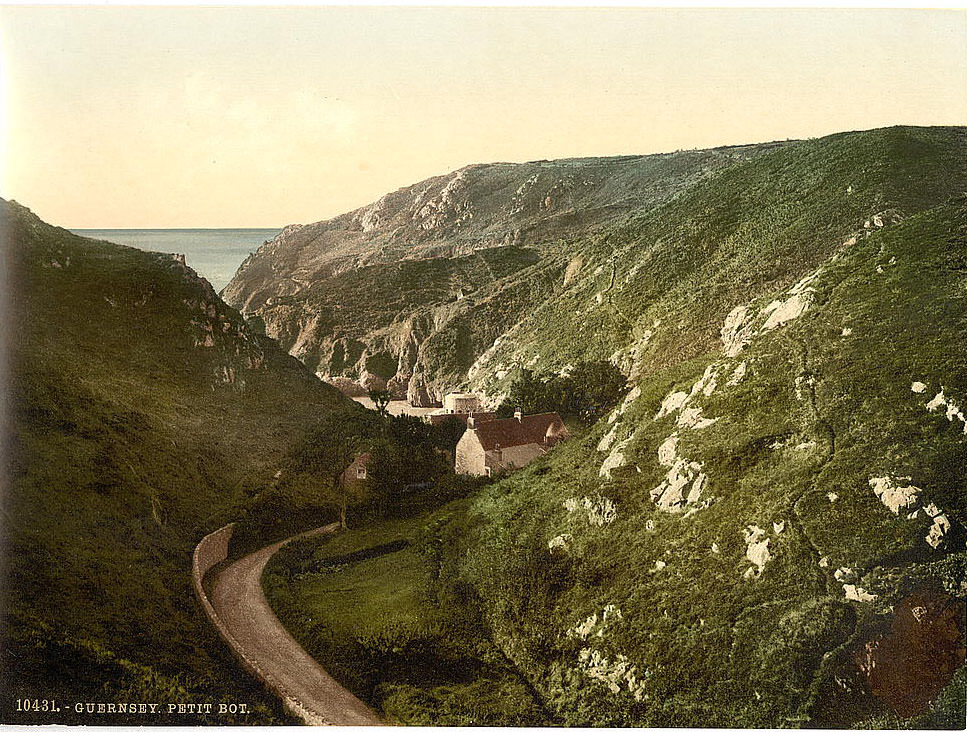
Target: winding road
238 600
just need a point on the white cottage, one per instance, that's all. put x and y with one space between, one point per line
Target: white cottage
501 445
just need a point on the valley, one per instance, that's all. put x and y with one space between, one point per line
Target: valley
757 517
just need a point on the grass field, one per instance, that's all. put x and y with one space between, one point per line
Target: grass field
394 629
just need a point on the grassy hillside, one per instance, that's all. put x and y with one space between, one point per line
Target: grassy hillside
724 557
145 414
654 291
770 530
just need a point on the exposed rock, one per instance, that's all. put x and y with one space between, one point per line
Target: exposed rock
599 511
894 492
615 460
691 418
857 594
629 399
605 443
559 542
667 450
757 548
737 375
672 403
938 531
737 331
952 410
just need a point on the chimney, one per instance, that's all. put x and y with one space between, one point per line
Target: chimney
471 423
518 415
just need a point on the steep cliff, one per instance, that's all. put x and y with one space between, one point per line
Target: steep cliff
461 256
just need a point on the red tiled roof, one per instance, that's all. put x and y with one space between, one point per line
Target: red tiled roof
532 428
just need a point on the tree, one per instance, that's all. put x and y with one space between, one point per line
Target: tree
588 391
381 400
592 388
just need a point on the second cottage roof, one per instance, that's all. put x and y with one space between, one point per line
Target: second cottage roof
511 432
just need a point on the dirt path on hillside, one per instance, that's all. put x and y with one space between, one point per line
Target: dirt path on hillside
240 603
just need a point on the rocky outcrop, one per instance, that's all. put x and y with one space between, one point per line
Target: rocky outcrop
414 251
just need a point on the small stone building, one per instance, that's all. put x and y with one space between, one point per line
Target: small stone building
357 469
501 445
461 403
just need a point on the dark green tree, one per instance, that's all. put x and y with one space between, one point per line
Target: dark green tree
381 400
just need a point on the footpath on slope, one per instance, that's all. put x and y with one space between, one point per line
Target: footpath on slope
283 665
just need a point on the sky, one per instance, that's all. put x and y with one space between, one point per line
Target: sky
153 117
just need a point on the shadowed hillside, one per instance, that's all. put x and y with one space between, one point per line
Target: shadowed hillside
145 413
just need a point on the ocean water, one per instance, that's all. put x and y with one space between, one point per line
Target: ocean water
213 253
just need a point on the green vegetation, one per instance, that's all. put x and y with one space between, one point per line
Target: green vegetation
394 628
409 469
618 610
144 415
711 552
588 391
423 281
825 406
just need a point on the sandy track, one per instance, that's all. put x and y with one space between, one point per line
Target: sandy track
240 603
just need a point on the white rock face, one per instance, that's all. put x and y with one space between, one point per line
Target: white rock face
843 574
691 418
628 400
659 565
559 542
778 527
953 411
667 451
938 531
715 548
599 511
737 331
781 312
801 297
918 387
614 460
737 375
833 497
613 673
678 401
605 443
584 628
895 493
757 548
858 594
846 332
670 495
706 385
672 403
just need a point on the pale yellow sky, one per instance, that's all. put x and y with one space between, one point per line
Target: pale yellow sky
232 117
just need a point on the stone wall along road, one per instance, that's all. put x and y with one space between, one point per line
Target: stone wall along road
239 611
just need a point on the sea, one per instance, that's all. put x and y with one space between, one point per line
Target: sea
213 253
